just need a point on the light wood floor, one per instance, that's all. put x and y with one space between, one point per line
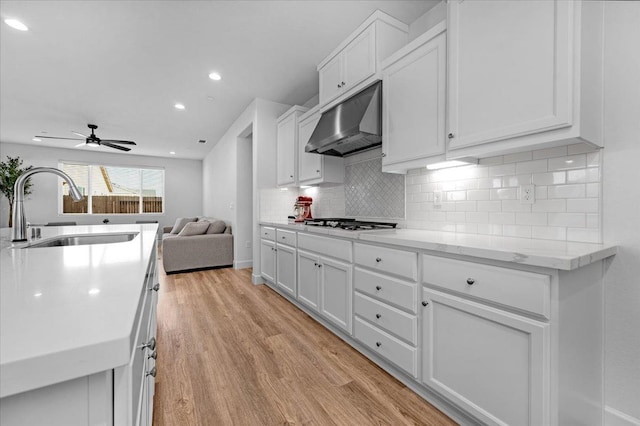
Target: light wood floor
231 353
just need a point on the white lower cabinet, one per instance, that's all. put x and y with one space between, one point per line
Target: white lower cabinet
268 260
490 362
286 268
308 279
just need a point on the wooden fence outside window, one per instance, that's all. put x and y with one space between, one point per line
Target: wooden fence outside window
112 204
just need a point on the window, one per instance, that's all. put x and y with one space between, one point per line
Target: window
114 189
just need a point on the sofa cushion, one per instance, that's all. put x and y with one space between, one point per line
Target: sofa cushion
217 227
194 228
180 223
206 219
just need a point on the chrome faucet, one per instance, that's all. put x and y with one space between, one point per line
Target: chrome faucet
19 230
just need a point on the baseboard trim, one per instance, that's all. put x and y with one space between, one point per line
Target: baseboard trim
242 264
613 417
257 279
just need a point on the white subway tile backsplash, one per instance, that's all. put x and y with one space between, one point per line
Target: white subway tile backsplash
593 190
593 159
502 170
593 221
551 178
559 151
580 148
549 206
490 183
489 206
515 206
541 192
549 232
510 181
583 235
591 174
478 194
467 228
588 205
539 219
567 163
456 216
576 220
489 229
535 166
517 157
477 217
465 206
504 194
567 191
456 195
516 231
502 218
490 161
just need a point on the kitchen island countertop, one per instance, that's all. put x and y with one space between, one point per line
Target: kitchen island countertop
563 255
68 312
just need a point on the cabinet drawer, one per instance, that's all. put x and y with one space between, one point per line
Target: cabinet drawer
526 291
390 290
267 233
286 237
340 249
398 262
399 353
387 317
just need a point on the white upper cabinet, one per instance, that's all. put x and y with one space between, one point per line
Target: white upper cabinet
355 64
287 146
523 74
413 103
315 168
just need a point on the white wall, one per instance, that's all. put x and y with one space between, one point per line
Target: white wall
244 177
621 213
430 18
220 186
183 184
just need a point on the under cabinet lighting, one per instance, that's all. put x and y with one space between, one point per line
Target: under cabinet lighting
36 140
452 163
14 23
284 189
172 152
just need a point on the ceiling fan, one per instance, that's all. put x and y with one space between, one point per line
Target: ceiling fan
93 140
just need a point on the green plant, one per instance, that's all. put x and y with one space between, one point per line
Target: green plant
10 171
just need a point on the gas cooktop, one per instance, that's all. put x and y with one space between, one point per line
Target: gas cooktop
349 224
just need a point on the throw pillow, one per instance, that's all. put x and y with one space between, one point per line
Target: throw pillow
194 228
217 227
180 223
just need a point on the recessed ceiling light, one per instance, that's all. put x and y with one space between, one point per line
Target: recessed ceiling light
215 76
94 291
14 23
36 140
179 106
172 152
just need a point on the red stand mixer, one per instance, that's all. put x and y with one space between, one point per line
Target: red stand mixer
302 208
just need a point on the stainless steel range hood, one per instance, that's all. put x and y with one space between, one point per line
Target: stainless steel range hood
350 127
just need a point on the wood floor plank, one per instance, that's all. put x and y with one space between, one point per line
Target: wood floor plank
231 353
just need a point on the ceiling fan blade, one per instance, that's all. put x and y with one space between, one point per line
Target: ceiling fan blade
110 145
54 137
117 141
79 134
80 144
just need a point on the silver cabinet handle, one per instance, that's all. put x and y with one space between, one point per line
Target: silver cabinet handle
155 287
339 86
153 355
378 259
378 344
378 316
319 265
470 281
151 344
151 373
343 83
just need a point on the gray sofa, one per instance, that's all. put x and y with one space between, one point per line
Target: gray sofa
183 253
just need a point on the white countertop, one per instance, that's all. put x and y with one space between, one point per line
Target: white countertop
562 255
67 312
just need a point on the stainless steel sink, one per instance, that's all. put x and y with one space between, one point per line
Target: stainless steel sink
84 239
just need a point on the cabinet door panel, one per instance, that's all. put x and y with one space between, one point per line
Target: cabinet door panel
509 69
336 292
286 150
308 281
309 165
492 363
414 104
330 77
286 268
359 59
268 260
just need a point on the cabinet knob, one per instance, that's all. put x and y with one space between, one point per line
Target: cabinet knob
339 86
450 135
153 355
319 265
151 344
378 316
470 281
425 303
315 263
378 259
155 287
378 344
291 176
284 238
151 373
343 83
378 287
317 171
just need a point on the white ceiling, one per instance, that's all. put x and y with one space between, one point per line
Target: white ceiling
123 65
